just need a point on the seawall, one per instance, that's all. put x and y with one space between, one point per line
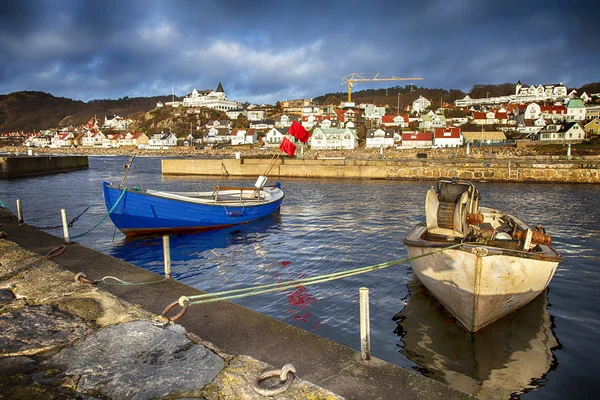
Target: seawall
498 170
22 166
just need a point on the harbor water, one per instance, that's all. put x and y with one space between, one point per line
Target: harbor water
546 350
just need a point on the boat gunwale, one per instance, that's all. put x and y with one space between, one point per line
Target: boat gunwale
413 239
190 200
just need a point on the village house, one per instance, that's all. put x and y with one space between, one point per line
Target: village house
431 121
256 115
217 135
192 139
483 137
377 138
416 139
283 121
38 140
400 121
236 114
215 99
275 136
243 136
161 141
372 113
133 139
63 139
592 112
295 107
593 127
447 137
420 104
575 110
262 125
554 112
117 123
111 140
219 124
333 138
93 138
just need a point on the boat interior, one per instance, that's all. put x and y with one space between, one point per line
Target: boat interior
453 215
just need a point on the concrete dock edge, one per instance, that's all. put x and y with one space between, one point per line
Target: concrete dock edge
239 331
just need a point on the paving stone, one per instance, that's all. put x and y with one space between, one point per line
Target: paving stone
34 330
137 360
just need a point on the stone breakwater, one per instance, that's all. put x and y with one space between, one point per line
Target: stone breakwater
519 170
359 153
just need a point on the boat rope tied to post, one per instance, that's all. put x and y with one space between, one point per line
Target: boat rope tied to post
186 301
286 377
105 216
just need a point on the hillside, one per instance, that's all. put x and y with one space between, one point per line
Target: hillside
30 111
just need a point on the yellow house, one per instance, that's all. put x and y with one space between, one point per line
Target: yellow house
593 126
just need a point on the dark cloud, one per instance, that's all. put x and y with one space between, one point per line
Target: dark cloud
264 51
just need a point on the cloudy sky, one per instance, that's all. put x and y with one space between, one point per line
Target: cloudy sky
264 51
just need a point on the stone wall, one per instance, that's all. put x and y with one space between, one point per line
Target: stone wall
478 170
22 166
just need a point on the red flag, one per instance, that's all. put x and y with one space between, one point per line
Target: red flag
287 147
298 131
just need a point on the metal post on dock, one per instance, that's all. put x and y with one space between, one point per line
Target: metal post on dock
167 253
63 214
365 327
19 212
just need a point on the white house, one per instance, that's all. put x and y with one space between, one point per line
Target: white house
256 115
243 136
283 121
211 99
447 137
533 111
333 138
420 104
416 139
274 137
400 121
218 135
161 141
63 139
377 138
262 125
117 123
93 138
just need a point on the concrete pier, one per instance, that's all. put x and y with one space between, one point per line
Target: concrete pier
100 326
504 170
12 167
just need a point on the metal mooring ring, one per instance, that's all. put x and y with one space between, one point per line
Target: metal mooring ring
55 252
81 277
168 308
286 377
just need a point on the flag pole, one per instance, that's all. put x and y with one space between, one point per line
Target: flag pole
272 162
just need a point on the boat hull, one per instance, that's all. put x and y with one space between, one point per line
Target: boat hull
480 284
140 212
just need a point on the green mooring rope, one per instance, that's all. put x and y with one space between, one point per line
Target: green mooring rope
276 287
105 216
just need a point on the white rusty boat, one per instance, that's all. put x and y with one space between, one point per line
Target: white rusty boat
498 265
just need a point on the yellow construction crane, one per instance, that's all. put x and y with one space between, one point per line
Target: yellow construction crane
353 78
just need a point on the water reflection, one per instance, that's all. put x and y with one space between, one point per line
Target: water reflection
506 358
186 248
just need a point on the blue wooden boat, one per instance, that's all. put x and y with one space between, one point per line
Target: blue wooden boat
139 212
